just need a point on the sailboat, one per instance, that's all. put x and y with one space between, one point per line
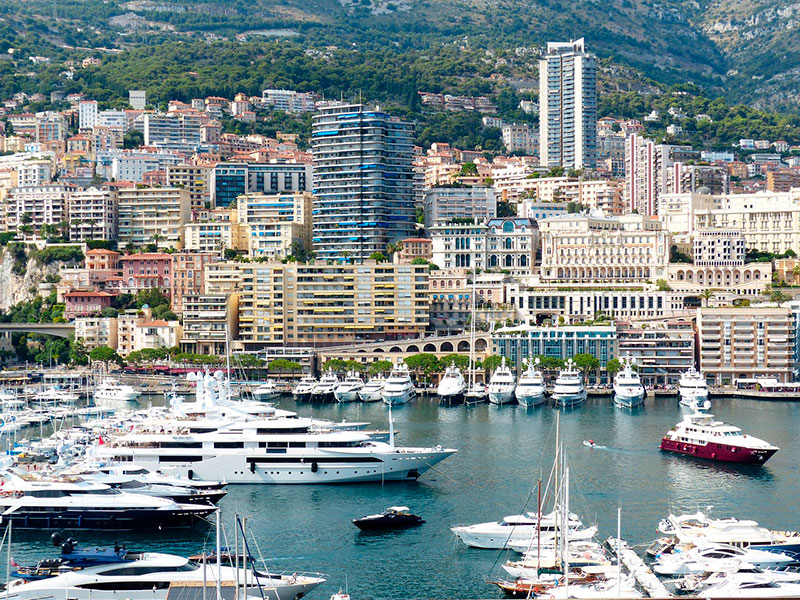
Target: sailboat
476 392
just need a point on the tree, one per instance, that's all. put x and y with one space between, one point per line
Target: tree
152 298
662 285
354 365
282 366
778 297
336 365
490 363
77 351
461 361
707 295
133 139
613 367
394 247
422 363
105 355
377 257
795 274
586 362
380 366
249 361
550 363
156 238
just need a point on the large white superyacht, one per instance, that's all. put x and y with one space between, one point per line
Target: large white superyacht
217 441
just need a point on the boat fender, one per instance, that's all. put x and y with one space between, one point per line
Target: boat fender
713 455
314 467
190 474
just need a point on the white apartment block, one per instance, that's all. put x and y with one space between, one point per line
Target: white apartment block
448 203
96 331
568 106
273 223
170 128
116 120
744 343
289 100
87 114
34 172
195 179
769 221
131 166
499 244
93 215
520 138
43 205
153 215
718 248
137 99
594 247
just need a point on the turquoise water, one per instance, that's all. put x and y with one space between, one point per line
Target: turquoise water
503 451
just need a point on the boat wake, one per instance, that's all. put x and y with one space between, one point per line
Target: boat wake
593 446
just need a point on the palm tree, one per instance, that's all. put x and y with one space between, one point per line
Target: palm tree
392 248
156 237
778 297
92 223
707 295
76 223
795 273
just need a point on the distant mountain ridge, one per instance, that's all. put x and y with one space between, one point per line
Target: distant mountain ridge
747 49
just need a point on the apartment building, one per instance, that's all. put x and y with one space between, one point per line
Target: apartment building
520 137
782 180
718 248
594 247
769 221
93 215
184 128
289 100
413 248
274 224
96 331
79 303
147 270
153 215
230 180
188 276
87 114
34 172
738 343
363 181
661 350
194 179
451 203
37 206
207 320
219 231
296 304
568 106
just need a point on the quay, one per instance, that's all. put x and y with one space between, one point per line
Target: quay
643 574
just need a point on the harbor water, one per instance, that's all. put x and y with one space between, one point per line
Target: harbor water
503 451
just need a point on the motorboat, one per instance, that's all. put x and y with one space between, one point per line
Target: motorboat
112 391
302 391
155 576
519 528
755 586
237 442
372 390
323 390
129 470
708 558
267 392
452 387
697 582
628 389
399 388
502 384
569 389
54 396
697 529
692 387
699 435
476 393
394 517
531 388
72 503
347 390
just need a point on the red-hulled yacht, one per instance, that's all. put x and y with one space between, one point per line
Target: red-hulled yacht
699 435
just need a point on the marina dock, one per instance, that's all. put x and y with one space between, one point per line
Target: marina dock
643 574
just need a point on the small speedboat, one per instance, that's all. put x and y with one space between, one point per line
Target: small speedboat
394 517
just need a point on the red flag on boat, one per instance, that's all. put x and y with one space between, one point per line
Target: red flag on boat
100 440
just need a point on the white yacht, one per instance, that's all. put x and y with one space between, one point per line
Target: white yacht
55 396
692 387
372 390
501 385
628 389
222 442
71 503
755 586
267 391
399 388
302 391
709 558
323 391
155 576
569 389
347 390
452 386
531 388
520 528
112 391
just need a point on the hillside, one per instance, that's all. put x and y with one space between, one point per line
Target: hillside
746 50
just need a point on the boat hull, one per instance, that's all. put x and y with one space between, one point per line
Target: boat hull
322 397
501 397
105 519
718 452
569 400
402 398
534 399
628 400
386 522
267 397
454 398
375 396
301 396
349 396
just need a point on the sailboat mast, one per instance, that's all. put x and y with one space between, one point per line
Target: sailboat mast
565 552
539 530
472 335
